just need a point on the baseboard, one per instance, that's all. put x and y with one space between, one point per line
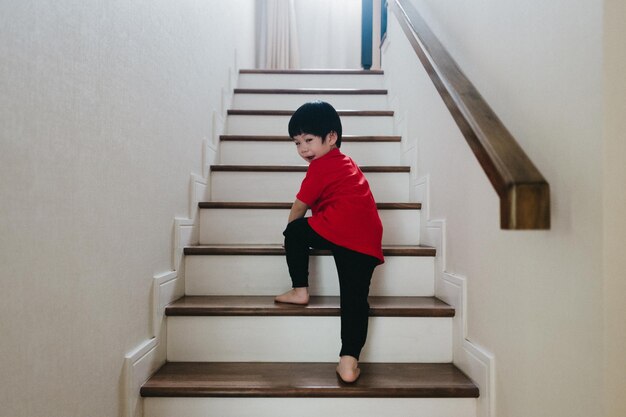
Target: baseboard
210 151
185 234
148 357
167 287
138 366
476 362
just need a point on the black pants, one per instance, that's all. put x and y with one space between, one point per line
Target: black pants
355 273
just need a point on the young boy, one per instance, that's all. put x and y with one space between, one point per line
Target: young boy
344 219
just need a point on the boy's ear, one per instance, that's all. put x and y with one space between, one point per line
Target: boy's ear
332 138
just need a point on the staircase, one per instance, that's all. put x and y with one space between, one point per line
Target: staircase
231 350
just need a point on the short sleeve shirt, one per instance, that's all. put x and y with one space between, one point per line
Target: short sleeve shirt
343 208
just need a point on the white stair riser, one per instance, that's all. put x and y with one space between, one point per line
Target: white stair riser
283 186
308 339
268 275
284 153
309 407
293 101
310 81
277 125
265 226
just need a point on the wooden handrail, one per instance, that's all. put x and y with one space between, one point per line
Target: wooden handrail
524 193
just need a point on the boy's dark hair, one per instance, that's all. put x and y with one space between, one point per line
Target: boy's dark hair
316 118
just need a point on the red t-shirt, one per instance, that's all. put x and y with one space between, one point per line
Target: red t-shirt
344 210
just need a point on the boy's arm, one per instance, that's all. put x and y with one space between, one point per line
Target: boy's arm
298 209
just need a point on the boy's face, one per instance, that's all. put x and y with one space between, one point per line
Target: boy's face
311 147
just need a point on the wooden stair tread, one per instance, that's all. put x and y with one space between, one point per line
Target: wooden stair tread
318 306
277 138
333 91
299 168
388 250
287 205
314 71
287 379
239 112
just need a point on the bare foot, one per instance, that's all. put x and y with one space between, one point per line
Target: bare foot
294 296
348 369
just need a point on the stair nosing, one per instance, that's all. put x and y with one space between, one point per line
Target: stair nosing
277 138
314 71
312 91
278 250
365 113
214 205
304 168
319 306
312 380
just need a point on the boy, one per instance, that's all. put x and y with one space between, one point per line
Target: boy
344 219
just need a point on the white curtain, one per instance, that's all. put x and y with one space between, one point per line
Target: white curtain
309 34
278 47
329 33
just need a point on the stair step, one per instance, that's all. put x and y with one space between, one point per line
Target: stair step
312 79
279 150
313 91
318 306
262 270
236 328
308 407
291 338
298 168
278 138
292 98
274 122
276 205
280 183
276 250
313 71
245 379
263 223
353 113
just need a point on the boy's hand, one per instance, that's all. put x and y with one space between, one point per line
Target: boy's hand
298 210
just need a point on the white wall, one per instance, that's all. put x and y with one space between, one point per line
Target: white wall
614 204
535 298
103 110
